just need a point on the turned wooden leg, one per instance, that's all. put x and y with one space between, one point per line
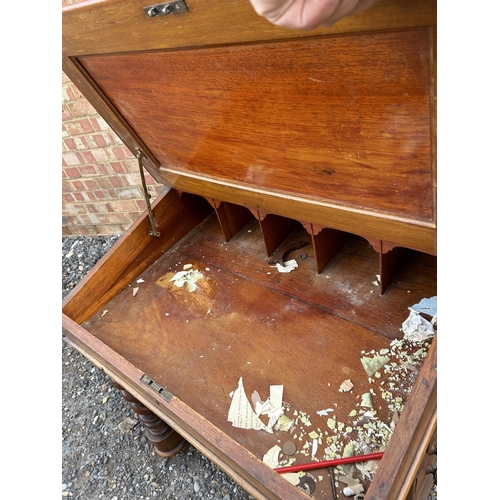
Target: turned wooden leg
166 441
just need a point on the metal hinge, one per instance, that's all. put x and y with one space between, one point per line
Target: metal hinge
163 9
161 391
153 231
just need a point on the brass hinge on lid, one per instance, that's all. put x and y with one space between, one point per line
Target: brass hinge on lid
153 231
163 9
161 391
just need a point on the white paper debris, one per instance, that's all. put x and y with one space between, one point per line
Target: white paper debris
289 266
426 306
188 278
417 328
135 290
291 477
187 266
373 365
272 406
314 447
140 280
353 486
104 312
272 456
346 386
241 413
324 413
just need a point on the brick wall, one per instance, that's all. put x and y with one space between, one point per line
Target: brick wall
101 186
101 183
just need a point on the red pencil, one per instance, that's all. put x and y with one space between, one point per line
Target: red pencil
330 463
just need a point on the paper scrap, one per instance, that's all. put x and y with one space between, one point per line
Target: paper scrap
372 365
324 413
426 306
188 278
346 386
417 328
283 424
292 477
135 290
271 457
314 447
289 266
353 486
140 280
241 413
367 400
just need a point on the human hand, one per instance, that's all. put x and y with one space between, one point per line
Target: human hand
308 14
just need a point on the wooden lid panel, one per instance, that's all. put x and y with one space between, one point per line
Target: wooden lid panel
344 119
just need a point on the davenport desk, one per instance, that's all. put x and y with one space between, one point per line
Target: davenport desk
296 228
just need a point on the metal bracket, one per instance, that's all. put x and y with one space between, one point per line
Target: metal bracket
153 231
163 9
161 391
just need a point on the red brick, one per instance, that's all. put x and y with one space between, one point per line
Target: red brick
78 186
95 124
79 196
88 195
90 184
88 157
88 170
66 231
66 186
109 229
74 209
66 113
118 167
100 140
72 172
116 182
120 153
73 158
81 142
69 220
118 218
104 182
81 108
86 126
65 77
73 128
141 204
67 94
70 143
123 206
68 198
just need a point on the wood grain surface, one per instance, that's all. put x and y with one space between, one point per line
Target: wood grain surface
341 119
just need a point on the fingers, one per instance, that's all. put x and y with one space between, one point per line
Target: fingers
308 14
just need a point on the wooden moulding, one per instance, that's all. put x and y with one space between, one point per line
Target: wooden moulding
135 251
232 218
326 243
411 438
412 234
209 23
275 229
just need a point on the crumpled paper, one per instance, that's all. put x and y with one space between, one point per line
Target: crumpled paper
417 328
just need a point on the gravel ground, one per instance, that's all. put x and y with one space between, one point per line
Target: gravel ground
105 454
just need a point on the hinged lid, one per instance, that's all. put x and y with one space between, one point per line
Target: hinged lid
335 127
